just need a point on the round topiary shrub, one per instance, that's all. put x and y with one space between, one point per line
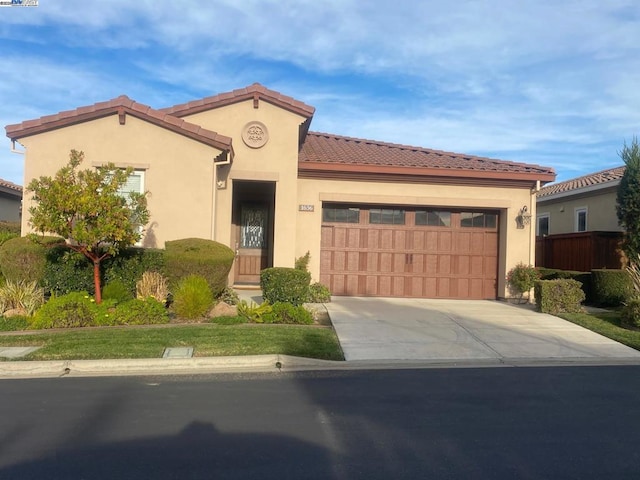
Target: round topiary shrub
287 285
197 256
22 258
193 298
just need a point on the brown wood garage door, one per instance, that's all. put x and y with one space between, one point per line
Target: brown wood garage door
399 252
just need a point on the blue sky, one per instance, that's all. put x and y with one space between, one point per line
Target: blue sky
550 82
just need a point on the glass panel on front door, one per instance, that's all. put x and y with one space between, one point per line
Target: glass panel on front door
252 227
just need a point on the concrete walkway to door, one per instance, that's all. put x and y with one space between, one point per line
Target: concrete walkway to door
463 330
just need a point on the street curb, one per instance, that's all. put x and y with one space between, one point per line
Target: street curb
158 366
268 363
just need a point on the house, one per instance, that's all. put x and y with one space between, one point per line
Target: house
10 201
577 225
244 169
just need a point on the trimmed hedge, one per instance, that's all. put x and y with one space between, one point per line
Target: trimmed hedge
68 271
21 258
583 277
288 285
197 256
611 287
557 296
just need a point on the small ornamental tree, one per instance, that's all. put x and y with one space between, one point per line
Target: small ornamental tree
628 199
86 208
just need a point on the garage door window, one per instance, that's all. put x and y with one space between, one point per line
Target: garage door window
386 216
478 220
433 218
340 214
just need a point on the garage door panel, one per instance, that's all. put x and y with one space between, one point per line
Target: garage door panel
433 261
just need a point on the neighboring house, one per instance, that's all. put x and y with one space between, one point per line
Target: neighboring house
10 201
577 225
243 168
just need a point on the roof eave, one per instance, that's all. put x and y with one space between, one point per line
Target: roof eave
332 168
579 191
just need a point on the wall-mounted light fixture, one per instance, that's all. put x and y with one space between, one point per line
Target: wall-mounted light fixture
524 217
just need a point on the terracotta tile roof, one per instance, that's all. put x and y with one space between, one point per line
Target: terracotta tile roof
592 180
5 184
121 106
256 92
323 151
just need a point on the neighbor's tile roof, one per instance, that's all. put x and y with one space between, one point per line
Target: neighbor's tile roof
256 92
10 186
591 180
121 105
335 150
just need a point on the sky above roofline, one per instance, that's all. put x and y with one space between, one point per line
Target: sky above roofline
552 83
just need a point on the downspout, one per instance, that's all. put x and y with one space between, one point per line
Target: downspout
214 194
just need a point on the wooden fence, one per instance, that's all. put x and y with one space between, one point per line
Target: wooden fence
580 252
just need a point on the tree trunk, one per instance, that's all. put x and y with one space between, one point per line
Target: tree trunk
96 280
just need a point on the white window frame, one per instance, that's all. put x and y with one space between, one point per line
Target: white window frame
576 215
139 173
546 215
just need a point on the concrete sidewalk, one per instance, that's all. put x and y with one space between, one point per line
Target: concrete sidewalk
459 330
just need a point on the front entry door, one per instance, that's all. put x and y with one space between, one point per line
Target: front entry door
251 243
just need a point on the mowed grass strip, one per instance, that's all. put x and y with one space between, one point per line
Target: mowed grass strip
207 340
606 324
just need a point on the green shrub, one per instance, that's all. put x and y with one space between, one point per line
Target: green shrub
193 297
196 256
318 293
630 313
610 287
22 295
557 296
12 324
521 279
228 296
285 285
583 277
116 290
253 312
22 258
141 312
153 285
302 263
75 309
282 312
67 271
131 263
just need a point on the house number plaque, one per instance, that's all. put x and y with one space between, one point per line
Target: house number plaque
305 208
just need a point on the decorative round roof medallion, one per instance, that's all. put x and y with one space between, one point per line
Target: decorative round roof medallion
255 134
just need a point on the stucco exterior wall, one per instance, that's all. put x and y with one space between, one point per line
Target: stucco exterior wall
601 212
515 245
276 161
179 171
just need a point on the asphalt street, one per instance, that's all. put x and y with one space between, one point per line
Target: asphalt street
497 423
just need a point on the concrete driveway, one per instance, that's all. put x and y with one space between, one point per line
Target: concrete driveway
459 330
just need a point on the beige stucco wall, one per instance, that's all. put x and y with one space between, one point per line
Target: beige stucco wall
276 161
516 245
10 208
178 171
601 212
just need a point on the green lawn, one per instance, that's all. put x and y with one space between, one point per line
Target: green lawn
607 324
207 340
